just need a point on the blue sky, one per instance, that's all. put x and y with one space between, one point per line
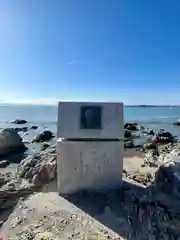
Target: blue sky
127 50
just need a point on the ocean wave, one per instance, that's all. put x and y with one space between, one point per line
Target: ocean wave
146 121
31 122
42 122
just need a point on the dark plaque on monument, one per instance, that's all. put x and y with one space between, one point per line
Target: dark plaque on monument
91 117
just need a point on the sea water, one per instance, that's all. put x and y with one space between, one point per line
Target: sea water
45 117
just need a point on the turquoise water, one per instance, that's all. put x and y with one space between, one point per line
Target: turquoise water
154 115
46 116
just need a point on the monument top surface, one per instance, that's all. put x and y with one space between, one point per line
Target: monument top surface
90 120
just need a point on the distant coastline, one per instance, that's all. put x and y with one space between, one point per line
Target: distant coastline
153 106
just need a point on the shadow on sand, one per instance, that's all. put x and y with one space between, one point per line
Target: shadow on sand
127 211
107 208
110 208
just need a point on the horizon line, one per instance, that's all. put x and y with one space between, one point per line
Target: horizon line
56 103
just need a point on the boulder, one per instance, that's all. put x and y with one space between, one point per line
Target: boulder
4 163
131 126
129 144
19 121
40 168
162 137
44 146
144 178
151 145
5 178
45 136
46 173
151 158
10 142
164 178
34 127
167 178
24 129
177 123
127 134
142 128
150 132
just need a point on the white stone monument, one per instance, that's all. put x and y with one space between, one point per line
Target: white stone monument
89 146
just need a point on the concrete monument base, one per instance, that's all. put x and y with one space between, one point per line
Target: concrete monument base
89 165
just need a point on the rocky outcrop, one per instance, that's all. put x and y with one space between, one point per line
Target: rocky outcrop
12 189
165 178
43 137
131 126
19 121
5 178
140 177
151 145
44 146
129 144
168 177
10 142
177 123
23 129
150 204
4 163
149 132
127 134
162 137
150 159
34 127
39 169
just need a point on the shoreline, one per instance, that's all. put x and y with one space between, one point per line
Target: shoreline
23 190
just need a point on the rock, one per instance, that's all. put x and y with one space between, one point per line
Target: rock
27 233
17 129
127 134
5 178
4 163
129 144
12 185
150 159
44 146
164 178
10 142
1 223
45 136
47 173
150 132
8 204
27 166
177 123
40 168
24 129
167 177
151 145
45 236
140 177
19 121
162 137
131 126
34 127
